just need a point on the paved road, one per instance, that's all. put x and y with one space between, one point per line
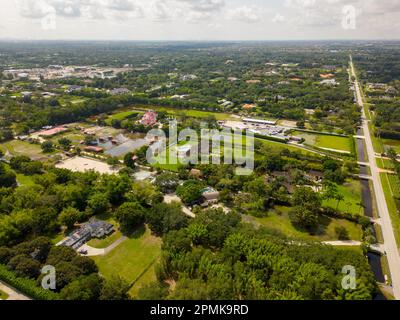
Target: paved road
12 293
390 245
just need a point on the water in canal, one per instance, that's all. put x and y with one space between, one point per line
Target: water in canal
374 259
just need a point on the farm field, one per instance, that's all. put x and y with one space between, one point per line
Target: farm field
278 219
132 259
351 192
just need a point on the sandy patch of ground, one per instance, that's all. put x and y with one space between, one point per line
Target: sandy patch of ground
80 164
287 123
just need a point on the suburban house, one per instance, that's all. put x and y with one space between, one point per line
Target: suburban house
315 175
93 149
285 178
92 229
119 91
184 152
149 118
73 88
210 195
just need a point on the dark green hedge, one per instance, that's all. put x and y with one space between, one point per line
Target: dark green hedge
26 286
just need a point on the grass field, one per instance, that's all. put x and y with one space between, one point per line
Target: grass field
351 191
106 242
17 147
278 219
377 144
133 259
384 164
165 163
391 143
122 116
391 202
3 295
192 113
325 141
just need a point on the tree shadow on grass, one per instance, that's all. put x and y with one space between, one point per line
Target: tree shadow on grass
136 233
320 230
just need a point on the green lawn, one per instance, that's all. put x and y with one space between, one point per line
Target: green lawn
122 116
192 113
377 144
133 259
351 191
25 180
384 164
3 295
278 219
391 202
325 141
75 136
17 147
105 242
391 143
333 142
147 277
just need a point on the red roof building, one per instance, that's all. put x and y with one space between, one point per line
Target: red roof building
94 149
149 118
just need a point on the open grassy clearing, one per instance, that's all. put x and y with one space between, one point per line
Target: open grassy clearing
133 259
191 113
147 277
384 164
351 192
391 143
105 242
122 116
325 141
391 202
278 219
17 147
377 144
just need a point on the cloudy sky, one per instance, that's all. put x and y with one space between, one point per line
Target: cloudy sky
199 19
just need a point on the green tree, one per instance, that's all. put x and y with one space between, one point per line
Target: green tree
47 147
83 288
128 160
190 192
65 143
163 218
130 215
99 203
69 216
167 182
115 288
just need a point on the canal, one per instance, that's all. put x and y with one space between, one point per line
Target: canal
374 259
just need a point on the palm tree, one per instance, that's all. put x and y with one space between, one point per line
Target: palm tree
339 199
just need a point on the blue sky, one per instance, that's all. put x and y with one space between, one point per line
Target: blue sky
200 19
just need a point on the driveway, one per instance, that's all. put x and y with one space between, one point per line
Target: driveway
13 294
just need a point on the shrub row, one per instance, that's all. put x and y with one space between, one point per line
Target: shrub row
25 285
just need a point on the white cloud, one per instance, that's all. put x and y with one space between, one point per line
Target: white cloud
243 14
34 9
278 18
